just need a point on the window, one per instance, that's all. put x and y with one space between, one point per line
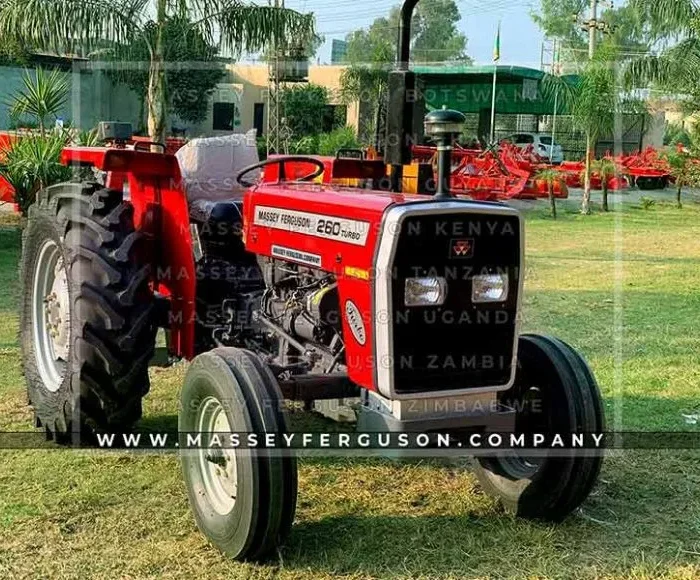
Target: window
224 116
546 139
259 118
523 139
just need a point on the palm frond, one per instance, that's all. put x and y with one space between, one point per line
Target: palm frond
670 70
238 27
64 26
44 94
668 17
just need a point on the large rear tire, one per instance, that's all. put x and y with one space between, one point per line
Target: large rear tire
243 500
556 392
87 328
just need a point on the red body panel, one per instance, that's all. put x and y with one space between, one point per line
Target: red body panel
7 192
160 210
318 203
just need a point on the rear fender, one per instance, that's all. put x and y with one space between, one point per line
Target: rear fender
160 208
156 191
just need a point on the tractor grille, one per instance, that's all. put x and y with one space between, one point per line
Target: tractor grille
459 344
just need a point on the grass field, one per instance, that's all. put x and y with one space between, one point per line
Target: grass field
636 318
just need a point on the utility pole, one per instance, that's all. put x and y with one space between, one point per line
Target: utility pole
593 25
274 105
592 28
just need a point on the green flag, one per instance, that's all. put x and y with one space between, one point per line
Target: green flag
497 45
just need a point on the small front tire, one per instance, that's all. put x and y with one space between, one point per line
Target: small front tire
555 392
243 500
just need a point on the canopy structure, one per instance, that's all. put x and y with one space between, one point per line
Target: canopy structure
469 89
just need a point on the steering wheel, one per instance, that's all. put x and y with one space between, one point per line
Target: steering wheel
281 161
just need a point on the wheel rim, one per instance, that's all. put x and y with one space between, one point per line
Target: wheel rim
51 316
523 466
217 465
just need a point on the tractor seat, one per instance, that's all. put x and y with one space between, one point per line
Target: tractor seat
216 212
209 166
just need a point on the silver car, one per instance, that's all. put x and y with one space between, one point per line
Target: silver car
541 143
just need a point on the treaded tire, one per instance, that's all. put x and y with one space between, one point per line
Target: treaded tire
112 328
570 402
260 518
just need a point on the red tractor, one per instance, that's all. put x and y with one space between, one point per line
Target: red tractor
295 290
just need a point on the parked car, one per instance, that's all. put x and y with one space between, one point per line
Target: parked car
541 144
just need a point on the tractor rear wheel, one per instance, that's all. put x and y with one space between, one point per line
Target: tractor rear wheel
243 500
87 328
554 392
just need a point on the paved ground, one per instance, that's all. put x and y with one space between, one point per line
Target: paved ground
627 197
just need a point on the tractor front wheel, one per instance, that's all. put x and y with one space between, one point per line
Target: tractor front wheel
243 500
87 329
554 392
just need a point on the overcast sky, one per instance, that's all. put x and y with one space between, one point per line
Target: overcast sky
521 38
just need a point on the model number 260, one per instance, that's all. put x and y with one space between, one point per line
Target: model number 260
328 227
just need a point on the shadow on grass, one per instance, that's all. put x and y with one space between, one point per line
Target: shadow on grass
634 520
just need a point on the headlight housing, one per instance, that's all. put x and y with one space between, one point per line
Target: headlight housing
489 288
429 291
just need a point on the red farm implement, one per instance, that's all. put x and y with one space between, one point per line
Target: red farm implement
493 174
573 176
647 170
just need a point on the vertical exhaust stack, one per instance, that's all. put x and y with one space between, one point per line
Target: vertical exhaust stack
402 95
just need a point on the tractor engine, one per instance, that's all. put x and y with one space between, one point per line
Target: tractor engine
303 303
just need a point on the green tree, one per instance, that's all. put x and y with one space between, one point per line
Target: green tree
12 53
191 76
560 19
674 24
371 53
68 26
595 102
304 106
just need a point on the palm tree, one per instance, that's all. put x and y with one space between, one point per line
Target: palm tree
606 168
70 26
595 102
683 168
551 177
676 67
42 96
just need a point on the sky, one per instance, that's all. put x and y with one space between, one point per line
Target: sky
521 38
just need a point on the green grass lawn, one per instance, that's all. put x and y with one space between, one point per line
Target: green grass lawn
624 288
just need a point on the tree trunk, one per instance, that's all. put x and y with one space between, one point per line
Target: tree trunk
679 185
604 184
552 201
142 115
586 201
156 83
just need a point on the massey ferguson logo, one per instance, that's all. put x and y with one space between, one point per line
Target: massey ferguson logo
462 248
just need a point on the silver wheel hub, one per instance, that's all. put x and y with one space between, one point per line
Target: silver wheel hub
51 315
217 464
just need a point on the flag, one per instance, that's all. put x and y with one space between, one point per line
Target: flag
497 45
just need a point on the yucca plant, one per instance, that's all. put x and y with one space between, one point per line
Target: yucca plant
33 162
71 26
551 177
42 96
606 169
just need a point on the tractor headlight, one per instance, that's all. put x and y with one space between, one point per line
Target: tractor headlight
425 291
489 288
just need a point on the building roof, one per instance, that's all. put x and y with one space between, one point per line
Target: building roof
504 71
